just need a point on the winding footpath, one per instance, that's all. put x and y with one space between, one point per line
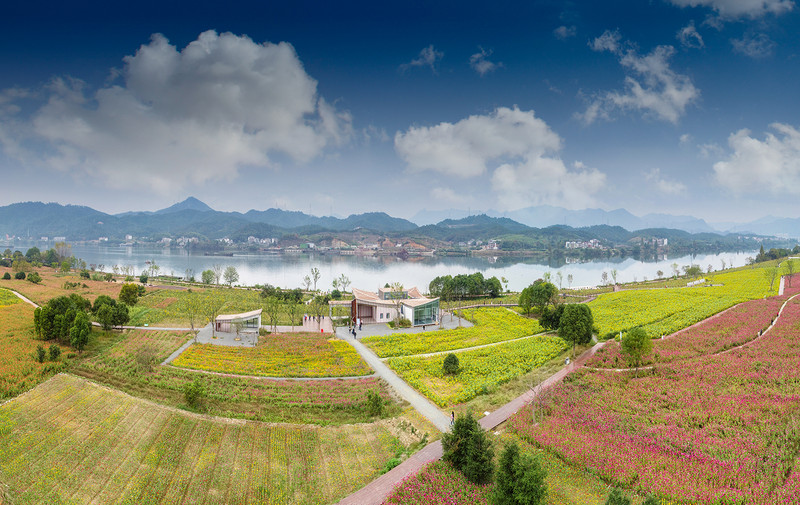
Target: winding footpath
379 489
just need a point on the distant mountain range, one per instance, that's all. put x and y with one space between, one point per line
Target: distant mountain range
538 226
543 216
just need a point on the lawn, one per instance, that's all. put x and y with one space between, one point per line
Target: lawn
713 429
19 368
116 359
279 355
71 441
491 325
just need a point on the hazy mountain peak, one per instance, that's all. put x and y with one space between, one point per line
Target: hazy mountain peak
190 203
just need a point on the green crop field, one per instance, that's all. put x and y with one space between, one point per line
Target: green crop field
72 441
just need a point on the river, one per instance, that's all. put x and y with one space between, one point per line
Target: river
369 273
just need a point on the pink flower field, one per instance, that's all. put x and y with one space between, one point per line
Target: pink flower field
714 428
731 328
439 484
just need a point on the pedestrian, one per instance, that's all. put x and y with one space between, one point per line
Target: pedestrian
452 419
359 325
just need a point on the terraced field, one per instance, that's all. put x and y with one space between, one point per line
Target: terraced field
69 440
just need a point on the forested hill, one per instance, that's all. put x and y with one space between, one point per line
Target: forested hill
193 218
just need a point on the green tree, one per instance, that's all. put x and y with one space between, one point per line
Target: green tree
315 275
635 345
79 333
207 276
520 479
34 277
102 300
190 306
129 294
65 266
451 364
231 275
543 294
33 254
212 304
143 278
272 307
55 352
788 266
105 316
469 450
576 324
551 318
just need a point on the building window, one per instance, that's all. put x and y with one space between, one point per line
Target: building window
381 315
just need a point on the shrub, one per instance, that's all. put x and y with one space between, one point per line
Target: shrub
55 352
108 277
142 279
85 274
617 498
193 393
375 404
451 365
40 353
403 323
469 450
336 294
34 277
6 276
19 276
129 294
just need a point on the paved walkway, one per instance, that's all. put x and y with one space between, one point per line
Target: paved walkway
379 489
419 402
23 298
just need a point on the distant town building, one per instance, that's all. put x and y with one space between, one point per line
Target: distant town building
589 244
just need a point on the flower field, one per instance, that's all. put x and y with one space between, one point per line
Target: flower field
52 285
665 311
279 355
482 370
491 325
715 429
439 484
728 329
19 370
71 441
114 363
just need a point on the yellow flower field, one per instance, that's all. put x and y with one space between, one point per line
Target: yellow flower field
279 355
481 369
667 310
491 325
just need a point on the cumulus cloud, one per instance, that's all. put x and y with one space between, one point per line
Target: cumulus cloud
664 185
771 165
519 149
564 32
731 9
428 57
689 37
189 116
651 86
684 139
754 46
480 62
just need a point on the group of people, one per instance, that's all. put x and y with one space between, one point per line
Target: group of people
353 329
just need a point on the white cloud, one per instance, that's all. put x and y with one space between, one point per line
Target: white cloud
428 57
664 185
564 32
608 41
755 166
689 37
754 46
651 86
480 62
446 195
709 150
732 9
189 116
684 139
517 147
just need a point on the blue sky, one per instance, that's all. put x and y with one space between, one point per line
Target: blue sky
673 106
